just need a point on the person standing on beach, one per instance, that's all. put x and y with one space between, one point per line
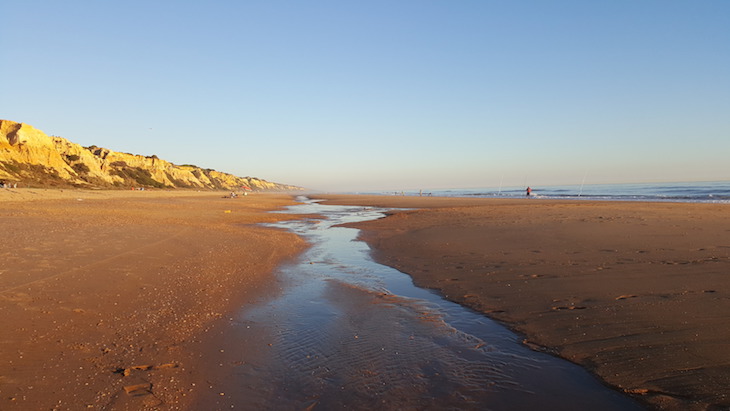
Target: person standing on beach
529 191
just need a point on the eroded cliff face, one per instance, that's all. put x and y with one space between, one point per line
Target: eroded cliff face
23 148
31 157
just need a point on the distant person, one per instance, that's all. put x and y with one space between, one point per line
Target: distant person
528 191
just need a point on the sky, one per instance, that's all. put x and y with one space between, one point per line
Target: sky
350 95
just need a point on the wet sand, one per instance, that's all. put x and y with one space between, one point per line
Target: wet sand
348 333
637 293
115 299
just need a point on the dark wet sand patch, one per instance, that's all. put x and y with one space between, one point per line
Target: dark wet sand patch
653 278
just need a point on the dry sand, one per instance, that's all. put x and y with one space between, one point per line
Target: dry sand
112 299
638 293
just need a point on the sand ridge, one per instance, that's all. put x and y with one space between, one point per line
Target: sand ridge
636 292
106 297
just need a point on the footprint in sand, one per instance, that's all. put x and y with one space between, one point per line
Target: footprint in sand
137 390
16 297
568 307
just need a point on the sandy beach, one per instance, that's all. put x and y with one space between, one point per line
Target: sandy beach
123 299
112 299
638 293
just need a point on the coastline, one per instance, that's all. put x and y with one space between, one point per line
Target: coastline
635 292
114 299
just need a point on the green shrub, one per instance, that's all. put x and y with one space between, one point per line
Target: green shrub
11 167
138 176
80 168
178 183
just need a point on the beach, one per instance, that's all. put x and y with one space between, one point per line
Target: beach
636 292
117 299
125 300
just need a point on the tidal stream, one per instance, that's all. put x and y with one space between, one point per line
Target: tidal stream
348 333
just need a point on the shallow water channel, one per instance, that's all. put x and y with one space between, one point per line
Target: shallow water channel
346 332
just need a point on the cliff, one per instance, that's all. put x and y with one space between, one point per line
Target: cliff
32 158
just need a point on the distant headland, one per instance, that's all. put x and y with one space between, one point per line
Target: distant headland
29 157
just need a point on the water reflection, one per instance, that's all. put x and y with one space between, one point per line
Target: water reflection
347 332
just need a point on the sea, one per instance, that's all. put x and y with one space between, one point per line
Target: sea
693 192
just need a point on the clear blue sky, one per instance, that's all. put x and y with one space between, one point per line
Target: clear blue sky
359 95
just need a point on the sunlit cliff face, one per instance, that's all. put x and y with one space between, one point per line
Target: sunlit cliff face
28 154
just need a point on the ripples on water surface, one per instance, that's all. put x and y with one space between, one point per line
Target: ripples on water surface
694 192
347 332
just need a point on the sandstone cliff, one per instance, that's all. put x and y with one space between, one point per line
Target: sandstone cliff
31 158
